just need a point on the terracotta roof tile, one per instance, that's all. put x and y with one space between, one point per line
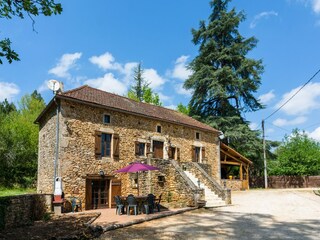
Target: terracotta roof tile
95 96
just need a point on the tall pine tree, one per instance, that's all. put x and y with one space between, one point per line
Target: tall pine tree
224 79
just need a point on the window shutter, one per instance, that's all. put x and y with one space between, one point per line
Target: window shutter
148 147
97 144
193 153
116 151
178 154
136 146
203 153
170 152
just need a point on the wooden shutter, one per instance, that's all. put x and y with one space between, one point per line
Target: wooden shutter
148 147
88 194
97 144
116 141
178 154
136 148
170 152
203 153
193 153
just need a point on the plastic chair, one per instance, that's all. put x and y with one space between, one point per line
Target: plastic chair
75 204
157 202
149 204
119 205
132 203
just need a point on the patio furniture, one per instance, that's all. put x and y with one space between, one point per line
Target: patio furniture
157 202
132 203
119 205
149 204
75 204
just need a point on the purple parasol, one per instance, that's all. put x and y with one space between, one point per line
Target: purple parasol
137 167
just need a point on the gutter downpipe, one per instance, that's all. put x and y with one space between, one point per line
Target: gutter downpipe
57 144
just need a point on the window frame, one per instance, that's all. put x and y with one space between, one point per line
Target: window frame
104 118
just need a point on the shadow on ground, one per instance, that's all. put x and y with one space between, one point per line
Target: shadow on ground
212 224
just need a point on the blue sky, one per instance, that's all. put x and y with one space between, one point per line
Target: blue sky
99 42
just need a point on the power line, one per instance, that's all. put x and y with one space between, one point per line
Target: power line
293 95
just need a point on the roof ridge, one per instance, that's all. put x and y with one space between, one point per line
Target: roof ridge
74 90
132 100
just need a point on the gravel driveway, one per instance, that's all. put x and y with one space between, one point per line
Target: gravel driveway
255 214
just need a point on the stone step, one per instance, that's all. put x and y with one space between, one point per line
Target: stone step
212 199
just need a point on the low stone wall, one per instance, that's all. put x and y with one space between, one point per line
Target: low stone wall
234 184
286 182
22 210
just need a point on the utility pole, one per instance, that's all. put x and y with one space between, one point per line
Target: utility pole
264 157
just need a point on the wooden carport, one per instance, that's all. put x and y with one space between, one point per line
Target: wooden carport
230 157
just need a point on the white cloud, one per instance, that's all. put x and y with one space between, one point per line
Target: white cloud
261 15
66 62
254 126
8 91
128 72
173 107
152 77
315 134
106 61
316 6
108 83
182 91
305 101
280 122
180 70
163 97
265 98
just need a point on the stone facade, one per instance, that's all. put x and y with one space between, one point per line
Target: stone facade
78 124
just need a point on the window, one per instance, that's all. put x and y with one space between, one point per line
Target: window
140 149
171 152
106 119
197 135
106 145
198 154
158 128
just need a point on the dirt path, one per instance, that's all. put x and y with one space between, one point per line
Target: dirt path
256 214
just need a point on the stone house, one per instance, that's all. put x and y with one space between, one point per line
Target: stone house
87 134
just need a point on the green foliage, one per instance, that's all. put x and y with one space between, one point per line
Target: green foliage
141 91
183 109
224 79
19 143
297 155
15 191
15 8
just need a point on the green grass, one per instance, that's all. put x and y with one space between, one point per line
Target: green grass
15 191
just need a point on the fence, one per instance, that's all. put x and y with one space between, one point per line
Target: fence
286 182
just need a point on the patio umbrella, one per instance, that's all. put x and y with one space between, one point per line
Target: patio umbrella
137 167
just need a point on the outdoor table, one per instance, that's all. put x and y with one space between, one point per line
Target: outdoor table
140 200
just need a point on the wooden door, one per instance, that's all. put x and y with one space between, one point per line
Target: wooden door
115 190
157 149
88 194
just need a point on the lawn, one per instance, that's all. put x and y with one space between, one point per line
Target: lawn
15 191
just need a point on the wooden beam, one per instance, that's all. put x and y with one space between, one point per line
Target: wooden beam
230 163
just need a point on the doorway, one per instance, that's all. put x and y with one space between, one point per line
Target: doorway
157 149
100 191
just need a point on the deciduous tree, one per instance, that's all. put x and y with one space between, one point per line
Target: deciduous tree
20 9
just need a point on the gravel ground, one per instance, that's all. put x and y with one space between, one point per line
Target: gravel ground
255 214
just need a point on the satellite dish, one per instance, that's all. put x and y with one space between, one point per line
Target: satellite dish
54 85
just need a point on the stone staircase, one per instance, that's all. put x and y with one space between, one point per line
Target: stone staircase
212 199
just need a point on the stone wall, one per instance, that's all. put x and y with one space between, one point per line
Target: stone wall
78 124
286 182
234 184
22 210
